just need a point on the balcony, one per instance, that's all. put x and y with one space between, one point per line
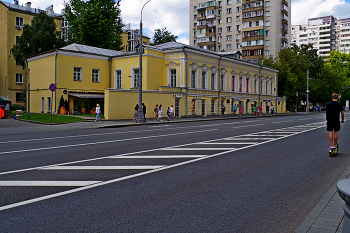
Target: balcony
210 33
284 2
206 43
252 9
284 11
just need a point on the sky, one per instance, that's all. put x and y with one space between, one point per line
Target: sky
174 14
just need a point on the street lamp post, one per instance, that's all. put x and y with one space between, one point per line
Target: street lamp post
141 117
307 90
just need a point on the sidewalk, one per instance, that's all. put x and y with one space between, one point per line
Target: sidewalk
328 214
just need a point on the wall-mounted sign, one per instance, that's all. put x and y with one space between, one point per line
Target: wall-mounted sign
65 92
178 96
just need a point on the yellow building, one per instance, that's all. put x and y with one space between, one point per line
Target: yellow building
195 81
12 19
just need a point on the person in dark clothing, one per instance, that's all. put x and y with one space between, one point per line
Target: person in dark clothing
66 107
144 110
333 109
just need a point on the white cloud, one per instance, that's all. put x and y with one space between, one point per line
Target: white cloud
304 9
183 40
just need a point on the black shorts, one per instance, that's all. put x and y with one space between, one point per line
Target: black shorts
333 125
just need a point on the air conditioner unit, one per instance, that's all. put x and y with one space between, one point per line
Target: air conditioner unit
194 28
219 33
237 40
219 42
19 27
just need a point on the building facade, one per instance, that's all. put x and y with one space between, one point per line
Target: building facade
257 28
131 38
321 32
12 19
195 81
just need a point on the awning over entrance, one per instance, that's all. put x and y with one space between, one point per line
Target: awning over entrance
88 96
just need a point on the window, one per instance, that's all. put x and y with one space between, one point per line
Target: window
219 21
233 83
222 82
19 97
267 43
195 8
238 18
267 13
195 16
219 47
256 86
77 74
204 74
267 33
271 90
219 30
228 10
228 46
261 87
240 84
228 20
118 79
267 52
136 78
19 22
267 3
238 46
173 77
238 1
48 104
228 29
238 27
247 85
229 2
212 82
267 23
95 75
193 79
19 78
238 9
229 37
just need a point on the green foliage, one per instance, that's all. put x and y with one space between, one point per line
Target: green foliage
162 36
39 37
56 118
95 23
101 103
23 96
61 102
79 105
86 105
16 107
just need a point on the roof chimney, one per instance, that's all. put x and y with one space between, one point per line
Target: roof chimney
28 6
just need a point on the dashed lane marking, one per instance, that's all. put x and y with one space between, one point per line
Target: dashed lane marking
15 183
102 167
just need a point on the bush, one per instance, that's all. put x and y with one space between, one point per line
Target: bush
16 107
79 105
61 102
86 105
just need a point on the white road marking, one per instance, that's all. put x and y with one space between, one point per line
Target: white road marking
281 121
182 148
248 138
102 142
138 174
245 126
46 183
102 167
226 143
157 156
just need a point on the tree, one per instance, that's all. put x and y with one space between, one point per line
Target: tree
95 23
162 36
39 37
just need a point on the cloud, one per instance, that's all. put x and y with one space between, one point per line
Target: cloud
304 9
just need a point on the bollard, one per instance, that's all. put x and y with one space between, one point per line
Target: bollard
343 187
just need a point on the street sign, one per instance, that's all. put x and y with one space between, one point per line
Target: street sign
52 87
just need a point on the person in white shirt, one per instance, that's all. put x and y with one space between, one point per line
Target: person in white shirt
98 112
172 112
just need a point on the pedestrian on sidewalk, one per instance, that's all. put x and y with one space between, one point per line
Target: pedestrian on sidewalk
160 112
98 112
144 111
234 109
172 112
267 109
168 113
223 108
333 109
155 112
66 107
136 113
260 110
240 110
272 108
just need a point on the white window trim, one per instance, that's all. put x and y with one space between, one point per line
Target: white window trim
169 76
116 78
196 78
81 73
98 73
21 75
206 79
215 80
133 76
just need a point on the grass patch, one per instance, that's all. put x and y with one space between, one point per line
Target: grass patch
45 118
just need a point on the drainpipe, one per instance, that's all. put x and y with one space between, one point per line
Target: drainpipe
219 78
186 80
110 71
56 79
5 87
27 84
259 84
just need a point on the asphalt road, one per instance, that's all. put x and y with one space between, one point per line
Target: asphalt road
234 175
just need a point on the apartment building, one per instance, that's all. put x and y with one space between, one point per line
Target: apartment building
256 28
12 19
343 28
131 38
321 32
